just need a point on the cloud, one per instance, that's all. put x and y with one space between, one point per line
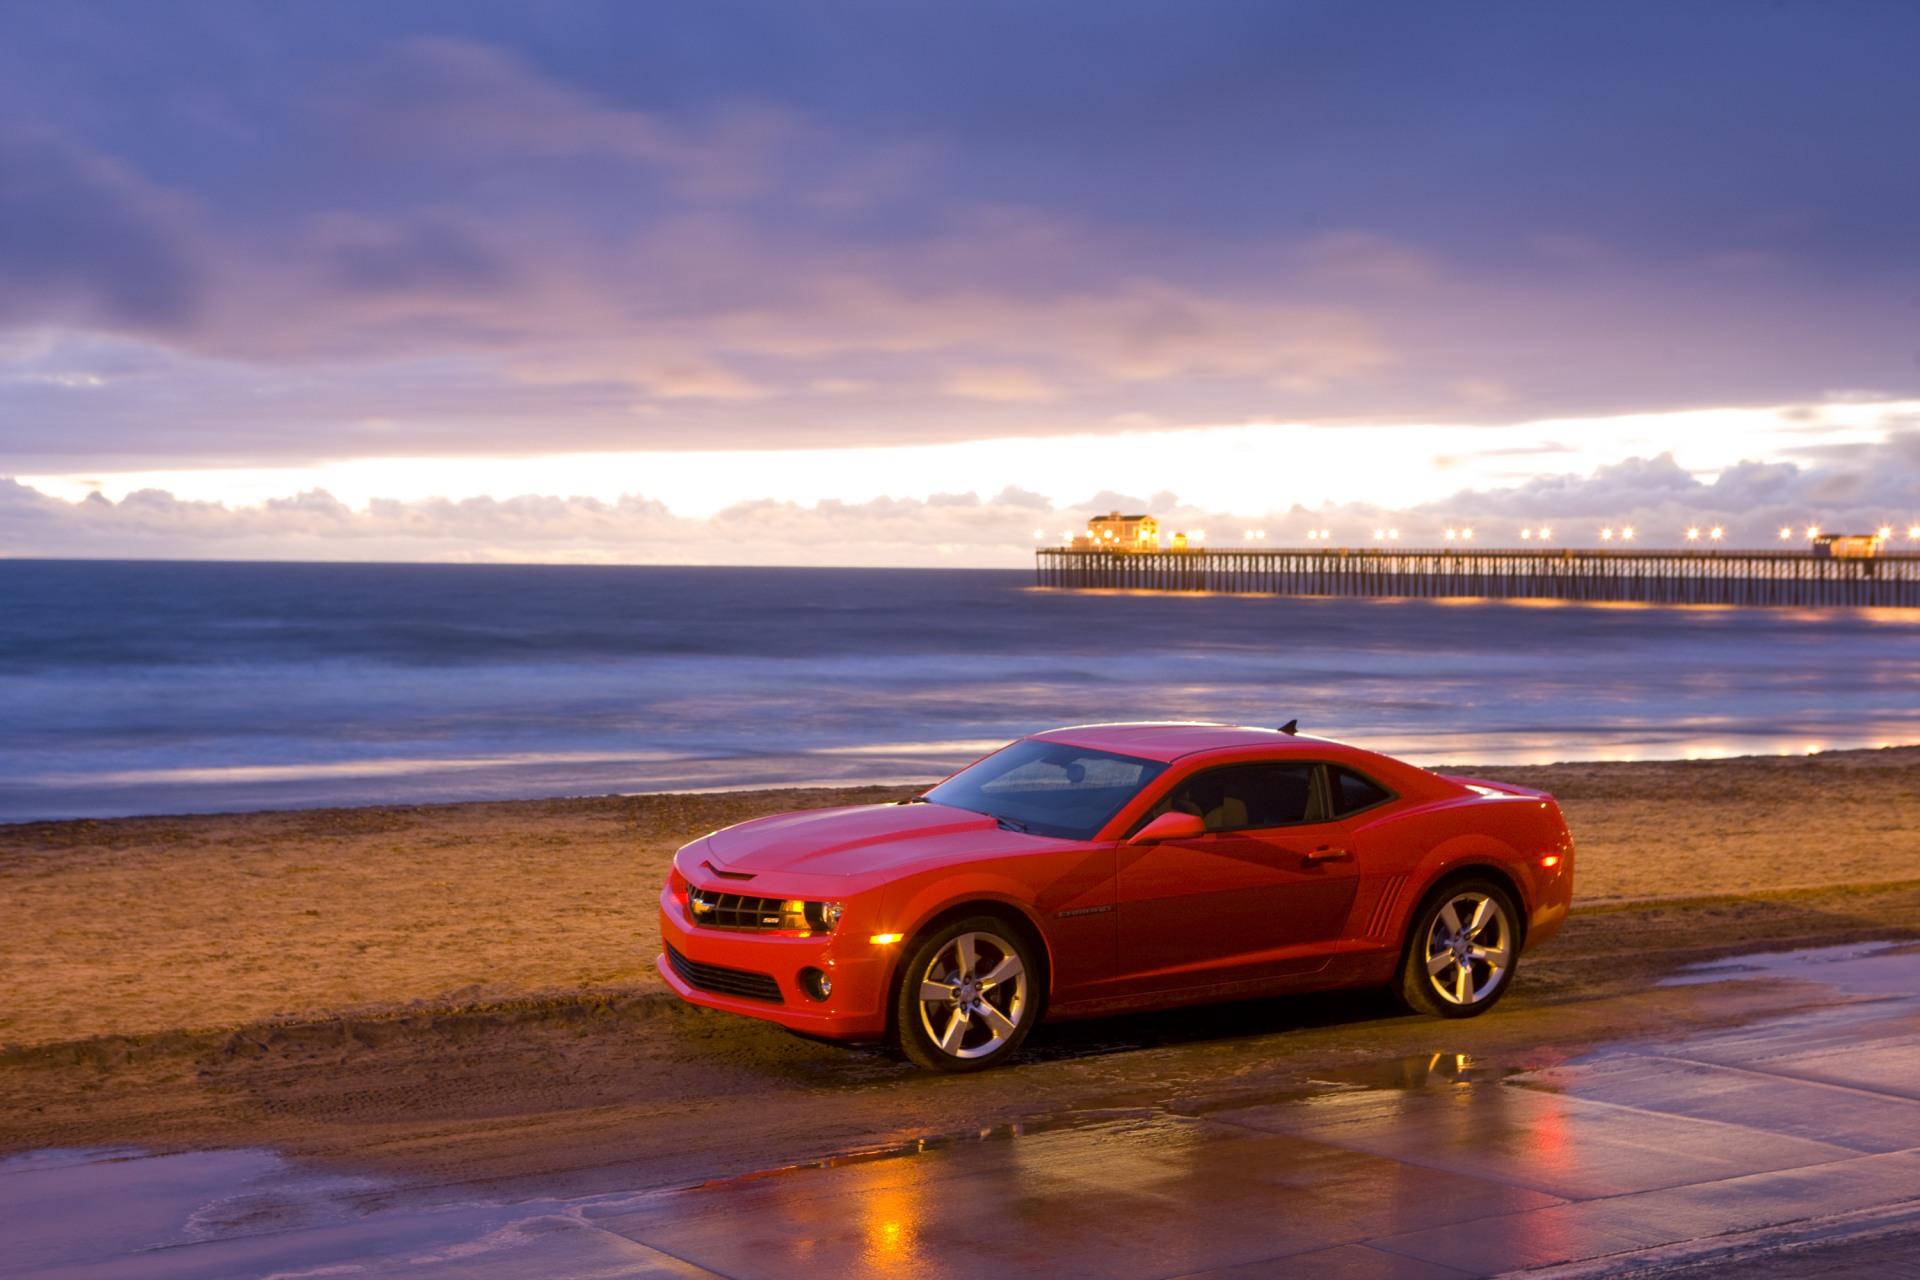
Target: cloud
1004 383
470 100
946 528
694 380
432 253
84 240
1107 500
483 107
1369 258
1656 495
368 232
1661 500
1014 497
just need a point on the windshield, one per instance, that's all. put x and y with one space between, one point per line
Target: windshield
1048 788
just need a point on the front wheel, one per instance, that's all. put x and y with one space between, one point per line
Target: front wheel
1461 952
966 996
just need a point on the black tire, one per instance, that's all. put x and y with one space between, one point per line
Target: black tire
994 1018
1441 947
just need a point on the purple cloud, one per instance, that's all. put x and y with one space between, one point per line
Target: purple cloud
86 241
349 230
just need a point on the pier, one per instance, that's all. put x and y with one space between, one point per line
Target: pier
1788 578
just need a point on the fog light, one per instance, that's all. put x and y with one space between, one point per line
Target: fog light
816 984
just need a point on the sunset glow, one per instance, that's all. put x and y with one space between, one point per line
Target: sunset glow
423 290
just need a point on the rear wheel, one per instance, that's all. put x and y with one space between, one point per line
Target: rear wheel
1462 950
966 996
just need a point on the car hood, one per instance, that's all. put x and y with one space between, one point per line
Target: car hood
857 841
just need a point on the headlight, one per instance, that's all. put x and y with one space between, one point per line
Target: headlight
817 917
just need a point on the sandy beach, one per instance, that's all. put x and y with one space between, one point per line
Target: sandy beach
467 991
139 926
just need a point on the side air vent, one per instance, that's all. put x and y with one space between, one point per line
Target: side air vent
1383 906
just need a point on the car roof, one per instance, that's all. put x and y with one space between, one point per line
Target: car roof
1170 739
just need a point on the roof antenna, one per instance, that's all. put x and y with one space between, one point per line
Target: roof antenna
1291 726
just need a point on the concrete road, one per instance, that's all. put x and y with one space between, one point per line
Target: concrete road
1788 1146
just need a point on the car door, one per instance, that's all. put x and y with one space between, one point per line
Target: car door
1264 892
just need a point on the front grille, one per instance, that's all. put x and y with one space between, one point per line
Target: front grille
734 910
724 981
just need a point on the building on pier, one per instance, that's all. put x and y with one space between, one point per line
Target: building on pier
1116 532
1848 546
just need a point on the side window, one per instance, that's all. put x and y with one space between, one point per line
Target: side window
1250 796
1352 792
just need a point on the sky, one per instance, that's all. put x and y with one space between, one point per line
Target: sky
899 283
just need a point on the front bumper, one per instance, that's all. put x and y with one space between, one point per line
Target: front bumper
855 1010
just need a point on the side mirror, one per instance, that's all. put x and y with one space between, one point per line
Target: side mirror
1169 826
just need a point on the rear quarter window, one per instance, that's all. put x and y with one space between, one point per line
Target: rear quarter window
1353 792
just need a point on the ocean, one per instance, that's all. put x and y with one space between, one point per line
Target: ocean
144 687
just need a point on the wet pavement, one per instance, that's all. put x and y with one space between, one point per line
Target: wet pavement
1794 1137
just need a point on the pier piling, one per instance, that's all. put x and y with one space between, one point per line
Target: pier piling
1799 579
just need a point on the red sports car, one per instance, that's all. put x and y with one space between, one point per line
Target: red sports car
1117 867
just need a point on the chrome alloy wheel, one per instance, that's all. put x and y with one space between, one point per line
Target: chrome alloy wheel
973 995
1469 948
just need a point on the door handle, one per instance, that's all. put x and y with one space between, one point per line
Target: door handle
1326 853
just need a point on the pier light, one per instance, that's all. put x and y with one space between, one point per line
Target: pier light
1039 535
1693 535
1066 535
1466 535
1378 534
1546 532
1325 534
1526 535
1886 532
1716 533
1606 535
1786 532
1813 531
1393 535
1313 535
1626 534
1452 534
1913 533
1198 534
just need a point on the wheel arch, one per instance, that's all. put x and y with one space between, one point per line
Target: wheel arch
1454 873
1014 913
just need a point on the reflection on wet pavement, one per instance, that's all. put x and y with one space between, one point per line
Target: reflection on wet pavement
1798 1129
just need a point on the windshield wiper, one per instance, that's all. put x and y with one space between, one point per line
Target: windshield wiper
1011 824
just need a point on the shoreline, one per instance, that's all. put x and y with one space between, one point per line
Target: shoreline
914 781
